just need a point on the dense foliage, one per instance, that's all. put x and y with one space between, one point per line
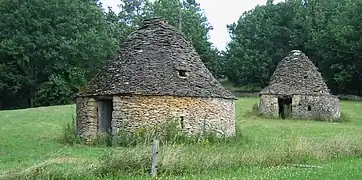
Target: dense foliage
327 31
194 23
50 49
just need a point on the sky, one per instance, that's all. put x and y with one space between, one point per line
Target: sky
219 13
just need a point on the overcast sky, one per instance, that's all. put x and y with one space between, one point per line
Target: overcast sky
219 13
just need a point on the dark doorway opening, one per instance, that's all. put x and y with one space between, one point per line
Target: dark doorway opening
285 107
105 109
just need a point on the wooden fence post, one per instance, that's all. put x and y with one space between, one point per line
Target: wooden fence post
154 157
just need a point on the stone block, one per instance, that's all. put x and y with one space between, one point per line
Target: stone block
132 113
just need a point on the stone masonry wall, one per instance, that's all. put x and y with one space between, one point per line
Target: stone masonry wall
304 106
326 107
269 105
87 118
134 112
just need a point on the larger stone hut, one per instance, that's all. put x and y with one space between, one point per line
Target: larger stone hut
297 90
157 76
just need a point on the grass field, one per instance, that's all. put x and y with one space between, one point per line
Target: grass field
30 146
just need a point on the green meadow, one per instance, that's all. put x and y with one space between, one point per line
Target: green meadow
32 147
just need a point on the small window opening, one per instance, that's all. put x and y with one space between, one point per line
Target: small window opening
309 108
182 122
182 73
299 104
305 77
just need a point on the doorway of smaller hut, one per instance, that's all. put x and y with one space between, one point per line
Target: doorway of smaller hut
285 106
105 108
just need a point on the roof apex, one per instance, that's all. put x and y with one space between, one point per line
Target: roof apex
156 60
296 74
154 19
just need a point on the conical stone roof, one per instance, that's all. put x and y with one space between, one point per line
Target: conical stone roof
296 74
156 60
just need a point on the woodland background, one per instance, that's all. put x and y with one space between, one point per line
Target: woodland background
49 49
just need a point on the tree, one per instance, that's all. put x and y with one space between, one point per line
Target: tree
194 25
132 14
41 38
327 31
260 39
335 42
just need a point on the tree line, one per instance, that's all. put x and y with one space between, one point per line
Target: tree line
327 31
49 49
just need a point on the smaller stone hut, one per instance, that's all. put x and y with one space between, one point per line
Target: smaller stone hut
157 76
297 90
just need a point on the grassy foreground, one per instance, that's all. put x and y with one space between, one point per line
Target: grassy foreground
30 147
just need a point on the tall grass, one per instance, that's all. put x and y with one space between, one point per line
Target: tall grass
254 110
167 133
69 135
344 117
171 133
181 159
181 154
260 142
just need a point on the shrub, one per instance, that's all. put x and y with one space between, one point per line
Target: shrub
344 117
60 88
102 139
70 136
254 111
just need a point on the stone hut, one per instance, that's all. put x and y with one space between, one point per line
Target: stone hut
297 90
157 76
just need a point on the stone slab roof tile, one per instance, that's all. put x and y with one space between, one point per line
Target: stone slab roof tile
296 74
151 61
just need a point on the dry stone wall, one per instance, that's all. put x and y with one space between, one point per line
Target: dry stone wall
304 107
269 105
87 117
134 112
324 107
